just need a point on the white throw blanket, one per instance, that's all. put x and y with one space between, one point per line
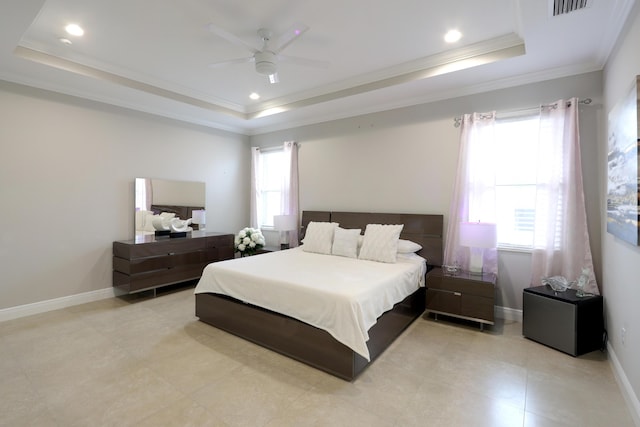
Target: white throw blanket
343 296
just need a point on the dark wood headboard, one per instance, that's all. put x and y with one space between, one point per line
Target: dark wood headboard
424 229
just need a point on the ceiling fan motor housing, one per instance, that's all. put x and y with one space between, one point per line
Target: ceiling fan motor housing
265 62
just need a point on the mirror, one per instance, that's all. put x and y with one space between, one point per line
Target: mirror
167 197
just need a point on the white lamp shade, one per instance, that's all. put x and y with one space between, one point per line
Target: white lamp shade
199 216
285 222
478 235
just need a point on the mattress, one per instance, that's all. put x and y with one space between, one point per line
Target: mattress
343 296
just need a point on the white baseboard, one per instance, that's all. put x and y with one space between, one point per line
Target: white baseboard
56 304
627 391
507 313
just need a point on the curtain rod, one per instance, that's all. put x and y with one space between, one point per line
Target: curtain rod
457 121
272 148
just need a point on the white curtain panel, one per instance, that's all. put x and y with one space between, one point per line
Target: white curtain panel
255 185
560 245
290 188
561 239
474 189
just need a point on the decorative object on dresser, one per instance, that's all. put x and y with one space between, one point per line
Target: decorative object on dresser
281 332
463 295
147 262
563 320
477 236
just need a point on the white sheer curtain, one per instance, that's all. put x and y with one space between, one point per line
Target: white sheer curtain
256 194
290 192
560 244
474 192
561 239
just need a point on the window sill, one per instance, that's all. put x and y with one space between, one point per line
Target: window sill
515 249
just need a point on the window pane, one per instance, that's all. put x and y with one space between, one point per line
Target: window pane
271 181
271 207
516 214
518 151
521 165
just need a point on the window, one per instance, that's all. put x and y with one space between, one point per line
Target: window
271 176
517 162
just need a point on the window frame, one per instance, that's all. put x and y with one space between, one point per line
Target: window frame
502 185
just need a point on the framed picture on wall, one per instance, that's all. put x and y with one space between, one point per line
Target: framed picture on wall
623 184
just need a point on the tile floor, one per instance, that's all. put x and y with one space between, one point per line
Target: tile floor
149 362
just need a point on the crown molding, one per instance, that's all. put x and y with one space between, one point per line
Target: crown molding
498 84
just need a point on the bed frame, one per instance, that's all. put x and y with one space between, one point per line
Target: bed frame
314 346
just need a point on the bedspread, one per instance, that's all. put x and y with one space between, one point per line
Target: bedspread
343 296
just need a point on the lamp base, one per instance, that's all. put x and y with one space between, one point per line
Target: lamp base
475 261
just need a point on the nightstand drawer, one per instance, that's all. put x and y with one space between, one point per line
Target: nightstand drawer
444 301
466 286
477 307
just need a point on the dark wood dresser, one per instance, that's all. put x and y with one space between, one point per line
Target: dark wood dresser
149 262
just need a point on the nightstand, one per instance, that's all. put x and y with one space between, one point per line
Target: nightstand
562 320
463 295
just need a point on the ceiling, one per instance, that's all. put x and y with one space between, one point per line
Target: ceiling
155 55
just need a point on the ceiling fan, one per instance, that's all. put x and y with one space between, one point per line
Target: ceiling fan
266 58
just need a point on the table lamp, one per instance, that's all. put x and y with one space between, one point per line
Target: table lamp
199 217
478 236
284 224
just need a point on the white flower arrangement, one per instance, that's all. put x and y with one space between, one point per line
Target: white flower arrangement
248 241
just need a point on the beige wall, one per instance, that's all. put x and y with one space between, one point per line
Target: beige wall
67 170
621 260
405 160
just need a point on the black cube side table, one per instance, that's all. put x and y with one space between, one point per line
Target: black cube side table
562 320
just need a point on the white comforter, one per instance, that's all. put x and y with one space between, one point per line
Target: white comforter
343 296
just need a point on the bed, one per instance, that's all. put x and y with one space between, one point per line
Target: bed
351 341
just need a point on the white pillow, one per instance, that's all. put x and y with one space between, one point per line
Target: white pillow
381 242
148 221
318 237
408 247
345 242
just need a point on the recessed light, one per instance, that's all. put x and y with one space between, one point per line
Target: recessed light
64 40
74 30
254 96
452 36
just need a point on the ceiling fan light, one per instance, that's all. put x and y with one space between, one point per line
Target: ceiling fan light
265 63
266 68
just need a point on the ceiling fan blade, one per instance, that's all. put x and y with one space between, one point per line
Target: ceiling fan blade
230 37
273 78
231 62
304 61
290 35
